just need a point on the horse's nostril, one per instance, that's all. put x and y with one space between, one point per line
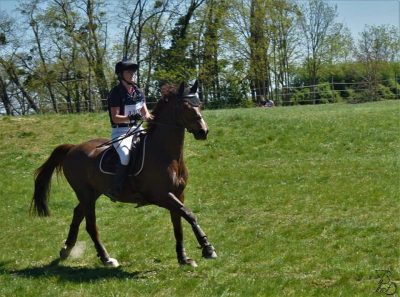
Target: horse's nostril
203 133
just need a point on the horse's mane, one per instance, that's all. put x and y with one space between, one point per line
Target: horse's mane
168 93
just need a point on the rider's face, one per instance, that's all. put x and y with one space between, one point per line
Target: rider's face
129 75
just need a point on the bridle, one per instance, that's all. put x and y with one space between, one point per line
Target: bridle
193 100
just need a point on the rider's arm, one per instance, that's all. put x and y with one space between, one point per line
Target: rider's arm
145 112
118 118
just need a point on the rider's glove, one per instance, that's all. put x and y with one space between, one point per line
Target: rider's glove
135 117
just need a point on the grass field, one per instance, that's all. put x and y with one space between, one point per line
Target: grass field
298 201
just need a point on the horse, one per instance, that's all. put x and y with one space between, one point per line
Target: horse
161 181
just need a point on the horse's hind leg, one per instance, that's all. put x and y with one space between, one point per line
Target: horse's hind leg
91 228
73 231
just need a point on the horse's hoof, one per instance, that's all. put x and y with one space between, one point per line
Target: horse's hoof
65 252
209 252
110 262
189 262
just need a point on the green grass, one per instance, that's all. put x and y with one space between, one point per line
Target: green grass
298 201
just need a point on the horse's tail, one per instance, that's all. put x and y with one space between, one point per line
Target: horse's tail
43 179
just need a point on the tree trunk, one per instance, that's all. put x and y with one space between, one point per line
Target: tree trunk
46 78
258 52
96 58
4 97
15 79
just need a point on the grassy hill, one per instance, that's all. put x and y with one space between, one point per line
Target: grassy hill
298 201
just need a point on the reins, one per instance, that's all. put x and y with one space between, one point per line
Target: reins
136 131
117 139
192 99
167 125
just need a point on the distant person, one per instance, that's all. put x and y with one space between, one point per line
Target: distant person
267 103
126 106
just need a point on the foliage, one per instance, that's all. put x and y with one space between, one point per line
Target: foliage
233 93
322 35
59 55
385 92
301 96
394 87
350 95
326 94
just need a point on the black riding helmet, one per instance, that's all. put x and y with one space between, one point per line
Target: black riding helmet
125 65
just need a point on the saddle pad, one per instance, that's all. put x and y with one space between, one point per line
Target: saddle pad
109 159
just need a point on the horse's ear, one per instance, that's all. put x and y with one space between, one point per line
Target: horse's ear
181 89
193 89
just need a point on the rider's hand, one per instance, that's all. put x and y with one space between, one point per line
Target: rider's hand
134 117
148 116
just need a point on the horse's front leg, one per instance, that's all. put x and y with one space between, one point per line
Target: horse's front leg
180 248
176 207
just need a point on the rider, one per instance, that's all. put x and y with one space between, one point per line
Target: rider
126 105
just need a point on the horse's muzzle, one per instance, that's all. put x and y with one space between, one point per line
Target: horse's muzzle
201 134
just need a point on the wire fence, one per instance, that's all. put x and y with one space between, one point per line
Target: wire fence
330 92
93 106
327 92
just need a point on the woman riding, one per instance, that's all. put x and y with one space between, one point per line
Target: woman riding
126 106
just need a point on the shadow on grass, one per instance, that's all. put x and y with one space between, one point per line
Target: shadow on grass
74 274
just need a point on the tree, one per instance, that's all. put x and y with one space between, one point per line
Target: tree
234 55
13 81
283 38
263 36
317 23
5 99
258 44
376 47
34 16
96 33
15 76
175 63
209 64
62 21
145 14
339 45
5 28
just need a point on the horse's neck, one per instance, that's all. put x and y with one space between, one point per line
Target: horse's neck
168 138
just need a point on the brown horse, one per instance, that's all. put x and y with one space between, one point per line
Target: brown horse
161 182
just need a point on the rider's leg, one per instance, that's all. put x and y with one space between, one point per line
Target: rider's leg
123 149
118 181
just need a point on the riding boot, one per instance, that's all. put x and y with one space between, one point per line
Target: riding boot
121 173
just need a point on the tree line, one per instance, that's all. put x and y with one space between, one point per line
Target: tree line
59 55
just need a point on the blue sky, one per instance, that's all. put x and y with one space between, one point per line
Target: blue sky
358 13
355 14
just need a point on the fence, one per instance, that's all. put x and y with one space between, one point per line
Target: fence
335 91
323 93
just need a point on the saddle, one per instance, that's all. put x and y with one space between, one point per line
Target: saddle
109 158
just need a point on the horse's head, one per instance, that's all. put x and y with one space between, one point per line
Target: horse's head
189 113
180 107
